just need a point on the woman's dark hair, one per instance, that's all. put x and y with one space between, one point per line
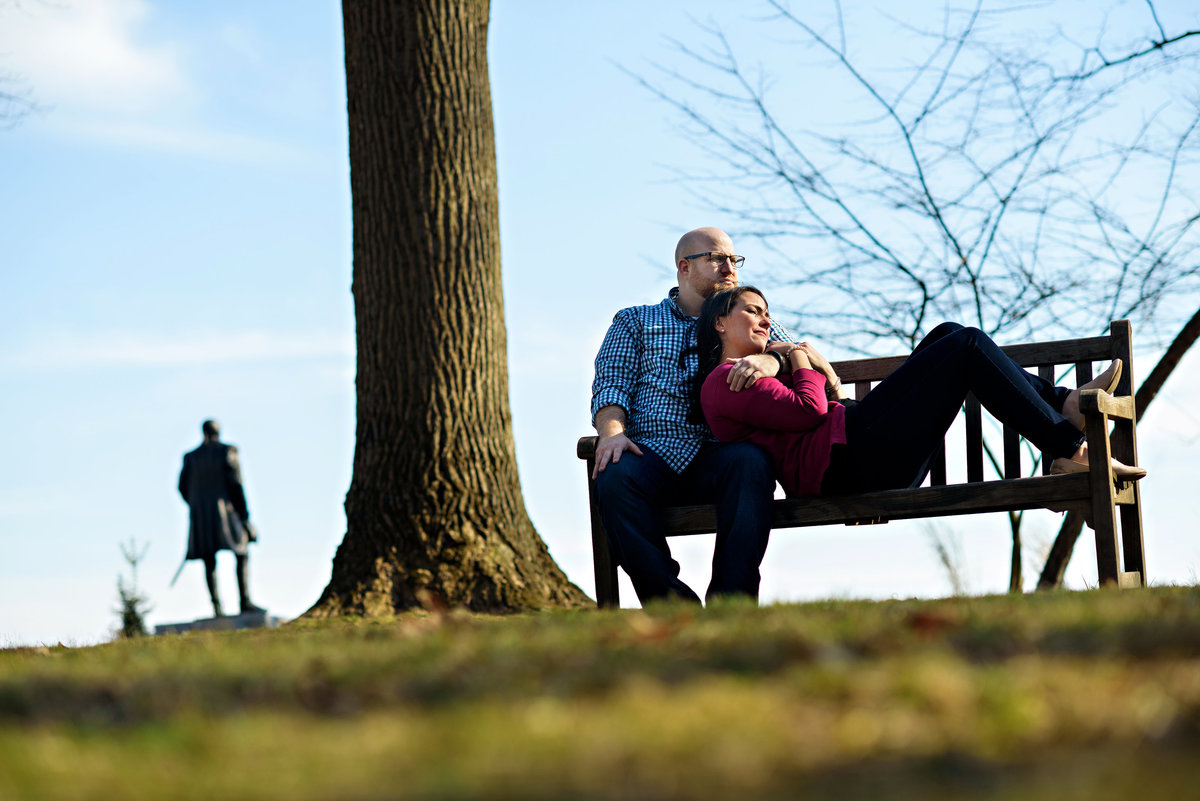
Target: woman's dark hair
708 342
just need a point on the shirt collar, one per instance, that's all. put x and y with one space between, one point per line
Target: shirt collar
680 314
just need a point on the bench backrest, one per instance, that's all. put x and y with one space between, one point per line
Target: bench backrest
1048 358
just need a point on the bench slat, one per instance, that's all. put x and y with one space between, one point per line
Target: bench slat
1046 371
974 420
1034 354
937 473
1012 453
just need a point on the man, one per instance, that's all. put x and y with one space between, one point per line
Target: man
211 483
649 454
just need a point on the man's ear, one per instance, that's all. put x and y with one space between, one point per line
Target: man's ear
682 267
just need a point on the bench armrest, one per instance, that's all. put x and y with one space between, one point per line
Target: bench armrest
586 449
1093 401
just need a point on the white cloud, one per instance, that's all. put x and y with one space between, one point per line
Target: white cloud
88 56
194 142
127 349
102 78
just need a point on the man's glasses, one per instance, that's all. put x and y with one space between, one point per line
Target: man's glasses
717 259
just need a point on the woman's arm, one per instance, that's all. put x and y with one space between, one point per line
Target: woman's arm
793 354
819 363
768 403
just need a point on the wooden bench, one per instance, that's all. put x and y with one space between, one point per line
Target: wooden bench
1120 557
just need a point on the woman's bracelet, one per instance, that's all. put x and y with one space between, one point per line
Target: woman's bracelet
835 386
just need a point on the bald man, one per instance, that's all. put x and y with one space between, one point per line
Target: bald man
649 454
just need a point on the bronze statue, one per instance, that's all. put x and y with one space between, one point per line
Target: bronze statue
211 483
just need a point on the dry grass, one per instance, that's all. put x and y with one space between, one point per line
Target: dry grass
1066 695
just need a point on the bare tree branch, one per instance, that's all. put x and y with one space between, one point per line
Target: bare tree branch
1025 185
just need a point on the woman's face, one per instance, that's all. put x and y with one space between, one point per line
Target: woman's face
747 328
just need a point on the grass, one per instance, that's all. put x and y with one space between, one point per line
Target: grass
1092 694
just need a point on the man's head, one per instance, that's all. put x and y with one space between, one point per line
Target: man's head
705 262
211 429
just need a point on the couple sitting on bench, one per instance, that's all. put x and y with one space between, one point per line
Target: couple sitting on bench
708 358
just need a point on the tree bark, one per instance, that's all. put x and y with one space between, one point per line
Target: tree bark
434 507
1064 544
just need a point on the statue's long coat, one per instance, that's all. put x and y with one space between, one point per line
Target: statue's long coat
211 483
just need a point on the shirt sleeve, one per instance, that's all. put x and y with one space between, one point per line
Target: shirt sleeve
617 363
781 334
769 403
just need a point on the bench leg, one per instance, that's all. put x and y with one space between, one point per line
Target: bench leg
608 594
1124 446
1134 549
1104 500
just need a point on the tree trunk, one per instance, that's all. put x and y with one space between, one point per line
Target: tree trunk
1068 534
1016 580
434 507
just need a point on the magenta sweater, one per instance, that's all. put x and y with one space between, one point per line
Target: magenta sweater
788 416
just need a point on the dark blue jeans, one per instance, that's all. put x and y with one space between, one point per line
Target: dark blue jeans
893 434
736 476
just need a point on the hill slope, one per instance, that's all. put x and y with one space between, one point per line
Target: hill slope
1057 696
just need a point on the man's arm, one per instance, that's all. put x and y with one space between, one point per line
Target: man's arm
183 480
613 387
233 483
748 370
611 442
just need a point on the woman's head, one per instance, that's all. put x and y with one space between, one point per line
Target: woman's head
720 311
733 322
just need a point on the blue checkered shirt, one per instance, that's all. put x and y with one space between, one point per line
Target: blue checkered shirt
638 369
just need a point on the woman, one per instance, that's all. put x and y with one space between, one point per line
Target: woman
820 445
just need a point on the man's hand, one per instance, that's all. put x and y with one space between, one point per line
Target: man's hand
610 448
611 442
749 369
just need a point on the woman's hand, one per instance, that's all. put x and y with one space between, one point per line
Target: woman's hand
819 362
797 357
822 366
793 357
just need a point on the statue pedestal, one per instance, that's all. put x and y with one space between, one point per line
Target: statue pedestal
254 620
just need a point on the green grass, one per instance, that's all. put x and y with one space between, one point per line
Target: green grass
1068 695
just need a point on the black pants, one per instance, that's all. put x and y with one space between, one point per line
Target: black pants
893 434
736 476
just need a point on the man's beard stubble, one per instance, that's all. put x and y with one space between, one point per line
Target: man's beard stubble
716 287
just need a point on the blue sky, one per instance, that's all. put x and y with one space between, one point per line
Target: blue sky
175 244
